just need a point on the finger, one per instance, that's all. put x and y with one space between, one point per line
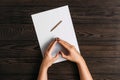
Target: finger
56 57
51 43
63 54
58 39
51 46
65 44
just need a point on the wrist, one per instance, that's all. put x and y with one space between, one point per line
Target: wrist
80 60
44 66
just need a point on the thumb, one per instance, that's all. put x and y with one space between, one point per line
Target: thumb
56 56
63 54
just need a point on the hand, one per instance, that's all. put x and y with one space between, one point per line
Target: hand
73 55
48 59
77 58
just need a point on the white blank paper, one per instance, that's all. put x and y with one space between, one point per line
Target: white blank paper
45 21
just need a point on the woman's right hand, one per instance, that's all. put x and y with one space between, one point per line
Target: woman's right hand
73 55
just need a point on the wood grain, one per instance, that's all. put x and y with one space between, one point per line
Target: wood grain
83 15
97 27
91 32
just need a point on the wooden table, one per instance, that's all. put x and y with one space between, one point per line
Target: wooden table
97 26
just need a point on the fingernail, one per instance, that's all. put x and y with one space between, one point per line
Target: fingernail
59 52
57 39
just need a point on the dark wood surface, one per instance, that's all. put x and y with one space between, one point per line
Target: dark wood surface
97 26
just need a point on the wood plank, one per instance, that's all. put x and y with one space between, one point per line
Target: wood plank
60 2
98 32
84 32
100 54
18 76
79 12
59 77
17 32
31 49
88 15
37 54
106 77
31 66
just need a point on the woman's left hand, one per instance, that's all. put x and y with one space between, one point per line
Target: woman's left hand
48 59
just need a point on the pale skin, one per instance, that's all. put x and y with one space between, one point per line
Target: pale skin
73 56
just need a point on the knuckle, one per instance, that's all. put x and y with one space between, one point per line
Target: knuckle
72 47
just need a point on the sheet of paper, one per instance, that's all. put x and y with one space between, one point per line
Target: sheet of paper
45 21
